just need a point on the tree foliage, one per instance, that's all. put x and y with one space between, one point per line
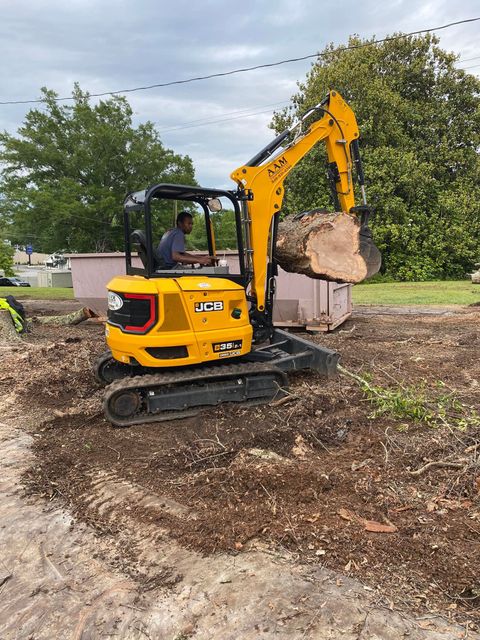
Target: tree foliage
419 120
224 229
6 258
67 171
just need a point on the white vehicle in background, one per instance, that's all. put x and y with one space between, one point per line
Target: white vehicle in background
476 274
57 261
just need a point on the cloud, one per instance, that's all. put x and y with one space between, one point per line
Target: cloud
113 44
231 53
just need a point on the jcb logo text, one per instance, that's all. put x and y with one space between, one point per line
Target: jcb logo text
202 307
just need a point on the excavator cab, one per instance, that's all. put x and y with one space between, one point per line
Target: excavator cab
139 212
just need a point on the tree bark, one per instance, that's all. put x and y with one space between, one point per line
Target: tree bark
70 318
8 334
327 246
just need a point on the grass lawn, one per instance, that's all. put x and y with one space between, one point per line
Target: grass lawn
439 292
38 293
461 292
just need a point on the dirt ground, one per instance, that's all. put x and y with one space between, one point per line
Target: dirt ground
382 506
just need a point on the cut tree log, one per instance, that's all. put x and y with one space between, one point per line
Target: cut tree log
97 320
330 246
8 334
70 318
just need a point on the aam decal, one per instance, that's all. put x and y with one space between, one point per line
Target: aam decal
278 169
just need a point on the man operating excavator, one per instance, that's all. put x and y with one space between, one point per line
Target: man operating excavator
180 340
171 250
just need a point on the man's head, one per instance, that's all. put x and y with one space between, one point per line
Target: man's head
185 222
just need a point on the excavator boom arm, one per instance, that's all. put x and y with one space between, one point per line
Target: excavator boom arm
263 176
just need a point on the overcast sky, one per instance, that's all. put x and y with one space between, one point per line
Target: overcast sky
107 45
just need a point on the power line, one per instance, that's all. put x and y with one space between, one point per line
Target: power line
221 115
245 69
468 59
200 122
220 120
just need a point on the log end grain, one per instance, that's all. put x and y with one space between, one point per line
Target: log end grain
329 246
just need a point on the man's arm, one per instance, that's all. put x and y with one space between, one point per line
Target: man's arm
180 255
188 258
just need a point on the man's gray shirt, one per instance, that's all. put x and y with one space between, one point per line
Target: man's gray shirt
172 240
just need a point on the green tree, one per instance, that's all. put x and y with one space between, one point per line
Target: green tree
224 229
6 258
419 120
67 171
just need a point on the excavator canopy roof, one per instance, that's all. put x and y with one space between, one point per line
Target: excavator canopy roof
136 200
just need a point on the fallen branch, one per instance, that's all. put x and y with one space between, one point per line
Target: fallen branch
284 400
215 455
438 464
472 447
116 451
97 320
69 319
90 418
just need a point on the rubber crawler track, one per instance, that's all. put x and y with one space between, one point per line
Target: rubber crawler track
149 382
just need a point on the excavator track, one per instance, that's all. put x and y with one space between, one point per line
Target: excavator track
180 394
106 369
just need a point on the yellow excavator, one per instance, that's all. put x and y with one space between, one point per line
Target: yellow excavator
182 339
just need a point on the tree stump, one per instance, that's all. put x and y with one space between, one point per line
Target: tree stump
330 246
8 334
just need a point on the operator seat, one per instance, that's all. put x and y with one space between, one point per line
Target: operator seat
139 240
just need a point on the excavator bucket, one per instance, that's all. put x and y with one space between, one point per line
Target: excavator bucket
369 252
